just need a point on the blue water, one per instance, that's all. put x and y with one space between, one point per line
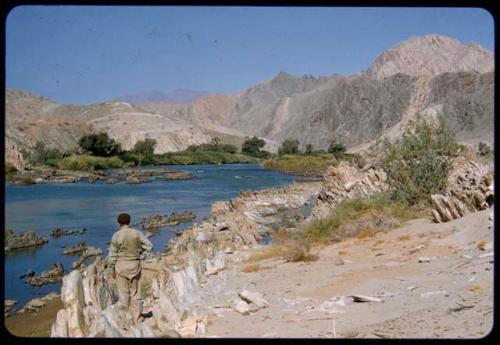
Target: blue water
44 207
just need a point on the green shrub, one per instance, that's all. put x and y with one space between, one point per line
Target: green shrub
289 147
484 150
86 163
145 147
337 149
417 165
40 154
309 149
201 157
10 169
252 147
100 144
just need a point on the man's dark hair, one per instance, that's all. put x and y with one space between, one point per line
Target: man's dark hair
124 219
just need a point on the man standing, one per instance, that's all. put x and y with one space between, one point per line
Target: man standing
128 246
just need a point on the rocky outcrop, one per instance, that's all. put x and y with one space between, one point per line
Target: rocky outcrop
172 282
8 306
157 221
347 181
469 189
431 55
85 255
58 232
54 275
22 240
40 175
79 248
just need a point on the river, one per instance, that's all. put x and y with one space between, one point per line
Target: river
44 207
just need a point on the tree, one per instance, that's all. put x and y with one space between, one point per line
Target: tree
289 147
100 144
252 147
145 147
337 149
309 149
40 154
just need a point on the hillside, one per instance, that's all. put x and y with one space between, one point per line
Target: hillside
429 74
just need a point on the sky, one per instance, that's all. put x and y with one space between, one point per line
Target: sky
91 54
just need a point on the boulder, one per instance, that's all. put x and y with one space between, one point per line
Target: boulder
254 297
73 300
242 307
60 326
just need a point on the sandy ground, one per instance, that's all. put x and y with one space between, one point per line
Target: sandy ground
449 297
35 324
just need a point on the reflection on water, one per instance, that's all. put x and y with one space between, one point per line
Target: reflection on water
95 206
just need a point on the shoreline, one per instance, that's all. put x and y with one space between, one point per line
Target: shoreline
203 274
43 319
34 324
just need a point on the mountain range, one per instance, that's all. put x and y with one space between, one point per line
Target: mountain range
176 96
429 74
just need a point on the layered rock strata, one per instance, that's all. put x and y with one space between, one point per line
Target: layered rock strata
469 189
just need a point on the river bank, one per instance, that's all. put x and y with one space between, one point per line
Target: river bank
94 206
202 287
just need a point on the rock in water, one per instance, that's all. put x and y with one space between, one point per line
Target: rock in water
54 275
23 240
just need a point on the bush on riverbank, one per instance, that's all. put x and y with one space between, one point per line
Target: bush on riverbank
351 217
10 169
86 163
301 164
418 163
202 157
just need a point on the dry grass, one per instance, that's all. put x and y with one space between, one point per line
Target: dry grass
273 251
404 238
290 248
481 245
475 288
366 233
251 268
359 217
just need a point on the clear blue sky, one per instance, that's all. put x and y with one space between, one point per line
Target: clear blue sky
88 54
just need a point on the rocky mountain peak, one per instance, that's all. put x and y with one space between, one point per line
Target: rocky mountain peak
431 55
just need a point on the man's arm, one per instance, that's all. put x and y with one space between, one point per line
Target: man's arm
146 246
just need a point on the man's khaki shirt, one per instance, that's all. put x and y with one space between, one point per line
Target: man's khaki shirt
128 244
